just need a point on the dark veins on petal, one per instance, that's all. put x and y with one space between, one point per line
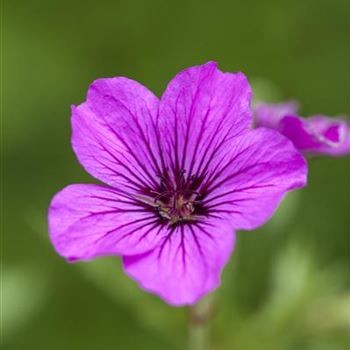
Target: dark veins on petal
176 196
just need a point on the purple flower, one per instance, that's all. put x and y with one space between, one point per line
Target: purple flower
314 135
183 173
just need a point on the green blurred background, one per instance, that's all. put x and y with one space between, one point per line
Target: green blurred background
287 284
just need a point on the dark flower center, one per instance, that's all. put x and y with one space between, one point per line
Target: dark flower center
176 199
177 206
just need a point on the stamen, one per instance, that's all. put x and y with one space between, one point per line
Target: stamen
177 206
176 199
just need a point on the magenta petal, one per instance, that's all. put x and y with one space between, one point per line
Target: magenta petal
187 264
295 128
200 111
113 133
86 221
249 181
317 135
269 115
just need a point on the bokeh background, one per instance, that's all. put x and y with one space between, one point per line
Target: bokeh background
287 284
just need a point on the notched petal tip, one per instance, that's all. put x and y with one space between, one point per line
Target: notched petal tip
184 268
210 63
170 298
113 133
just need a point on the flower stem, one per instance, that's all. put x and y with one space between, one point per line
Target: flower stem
199 325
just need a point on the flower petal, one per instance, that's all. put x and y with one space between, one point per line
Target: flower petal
113 134
200 111
86 221
250 179
269 115
317 135
188 262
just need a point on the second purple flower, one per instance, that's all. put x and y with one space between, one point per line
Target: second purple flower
315 135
